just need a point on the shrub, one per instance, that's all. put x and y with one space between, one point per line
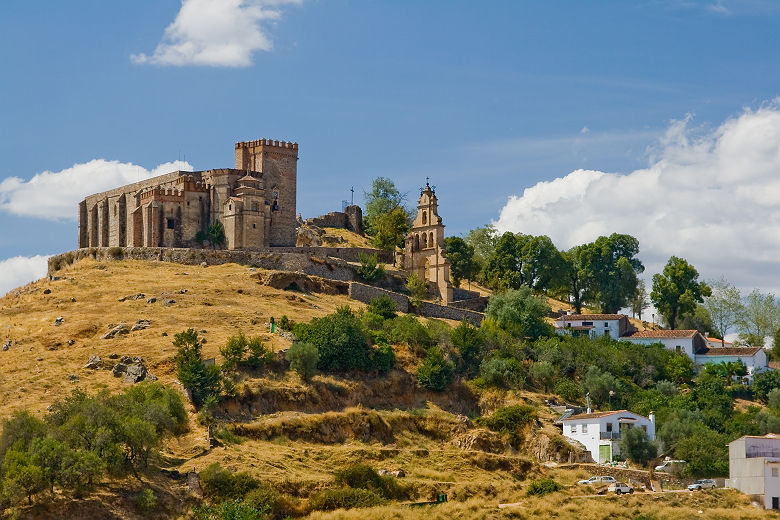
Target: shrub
635 446
509 420
340 339
568 389
228 510
408 329
764 383
234 351
543 374
219 484
435 372
468 343
146 500
365 477
542 487
200 380
345 498
502 373
266 498
383 359
303 358
372 322
370 270
259 354
418 289
520 313
286 323
382 306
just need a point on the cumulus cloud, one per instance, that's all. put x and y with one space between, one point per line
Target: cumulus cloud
20 270
217 33
55 195
710 196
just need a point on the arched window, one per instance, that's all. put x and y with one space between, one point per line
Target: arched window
425 241
275 204
431 239
255 207
425 217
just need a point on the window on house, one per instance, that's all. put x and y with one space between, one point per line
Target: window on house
609 426
606 333
606 324
230 206
774 472
574 428
678 349
644 427
584 428
254 226
171 223
587 323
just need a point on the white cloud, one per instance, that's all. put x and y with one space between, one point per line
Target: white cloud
55 195
20 270
710 196
217 33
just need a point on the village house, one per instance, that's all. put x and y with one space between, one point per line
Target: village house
594 325
600 432
688 342
754 358
754 468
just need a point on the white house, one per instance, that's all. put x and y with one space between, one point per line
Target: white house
594 325
600 432
754 358
754 468
689 342
715 343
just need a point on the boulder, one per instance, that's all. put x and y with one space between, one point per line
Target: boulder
47 291
309 235
119 369
6 345
118 330
134 373
398 473
170 301
94 362
73 377
141 325
59 321
151 300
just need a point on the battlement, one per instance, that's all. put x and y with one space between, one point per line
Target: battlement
267 143
161 194
189 183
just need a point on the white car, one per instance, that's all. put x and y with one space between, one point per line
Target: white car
705 483
619 488
670 466
596 481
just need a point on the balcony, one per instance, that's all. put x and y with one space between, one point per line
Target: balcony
610 436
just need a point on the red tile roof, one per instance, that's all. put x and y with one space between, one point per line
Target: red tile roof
731 351
597 415
662 333
589 317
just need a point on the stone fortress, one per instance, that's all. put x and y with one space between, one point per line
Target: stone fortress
255 202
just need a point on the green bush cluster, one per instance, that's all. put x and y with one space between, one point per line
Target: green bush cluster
303 358
435 372
370 270
84 437
510 421
542 487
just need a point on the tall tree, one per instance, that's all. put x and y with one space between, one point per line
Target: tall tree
699 320
543 264
759 319
504 267
483 240
677 290
390 229
383 198
575 277
724 306
461 257
639 301
611 269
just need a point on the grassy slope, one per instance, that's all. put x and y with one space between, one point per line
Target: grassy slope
32 376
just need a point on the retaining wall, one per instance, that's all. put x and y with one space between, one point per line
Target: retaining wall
432 310
365 293
478 304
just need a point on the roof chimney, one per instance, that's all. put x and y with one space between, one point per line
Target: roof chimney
587 396
651 417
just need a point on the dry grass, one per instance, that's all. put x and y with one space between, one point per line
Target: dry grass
352 238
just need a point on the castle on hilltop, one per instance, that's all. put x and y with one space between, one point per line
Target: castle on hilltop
255 202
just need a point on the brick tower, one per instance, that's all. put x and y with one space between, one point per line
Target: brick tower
278 161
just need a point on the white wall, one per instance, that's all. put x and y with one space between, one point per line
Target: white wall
686 344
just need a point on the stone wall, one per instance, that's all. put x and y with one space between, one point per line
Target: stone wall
365 293
478 304
432 310
303 261
351 218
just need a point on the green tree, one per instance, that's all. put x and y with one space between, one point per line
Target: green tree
483 240
611 270
370 270
764 383
435 372
543 374
676 290
639 301
463 265
417 287
725 307
603 387
234 350
520 313
340 340
468 343
303 358
760 318
21 476
543 265
383 198
699 320
198 378
503 269
575 276
706 452
390 229
679 368
216 234
635 446
382 306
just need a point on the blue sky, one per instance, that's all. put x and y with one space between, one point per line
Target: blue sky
487 98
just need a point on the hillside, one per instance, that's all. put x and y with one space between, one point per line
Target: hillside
288 434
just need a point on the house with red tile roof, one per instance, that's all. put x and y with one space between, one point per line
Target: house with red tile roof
600 432
594 325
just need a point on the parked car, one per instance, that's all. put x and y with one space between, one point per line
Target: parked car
671 466
619 488
705 483
596 481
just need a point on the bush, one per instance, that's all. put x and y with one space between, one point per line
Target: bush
303 358
259 354
569 390
510 420
146 500
228 510
468 343
265 498
233 351
543 375
764 383
418 289
706 452
346 498
370 270
635 446
219 484
407 329
384 358
365 477
435 372
382 306
200 380
286 323
341 341
542 487
520 313
507 373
